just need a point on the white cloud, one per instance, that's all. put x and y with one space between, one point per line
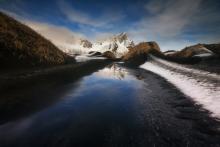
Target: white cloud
13 6
57 34
100 36
79 17
168 18
169 22
174 24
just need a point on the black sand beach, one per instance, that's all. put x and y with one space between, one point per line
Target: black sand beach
83 108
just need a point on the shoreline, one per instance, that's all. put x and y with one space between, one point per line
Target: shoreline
27 81
20 78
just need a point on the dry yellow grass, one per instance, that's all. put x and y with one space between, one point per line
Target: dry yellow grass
189 51
22 46
109 54
143 47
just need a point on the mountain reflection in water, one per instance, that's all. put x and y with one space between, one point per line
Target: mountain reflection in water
113 70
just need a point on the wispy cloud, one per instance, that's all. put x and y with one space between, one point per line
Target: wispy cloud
57 34
174 24
83 18
15 6
169 20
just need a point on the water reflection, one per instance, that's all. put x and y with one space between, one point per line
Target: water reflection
114 70
101 107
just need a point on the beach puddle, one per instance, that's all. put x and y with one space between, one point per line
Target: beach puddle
101 107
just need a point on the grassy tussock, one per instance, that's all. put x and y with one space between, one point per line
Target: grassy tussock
143 47
138 55
22 46
109 54
189 51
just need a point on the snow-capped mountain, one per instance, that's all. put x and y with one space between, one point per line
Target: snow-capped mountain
118 44
75 46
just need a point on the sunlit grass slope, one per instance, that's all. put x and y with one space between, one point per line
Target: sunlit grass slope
21 46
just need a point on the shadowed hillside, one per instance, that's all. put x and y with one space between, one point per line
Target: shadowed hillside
20 46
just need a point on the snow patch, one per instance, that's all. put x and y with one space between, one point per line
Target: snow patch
87 58
204 55
170 53
196 84
203 52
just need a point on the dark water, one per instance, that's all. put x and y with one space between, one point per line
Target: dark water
113 107
100 110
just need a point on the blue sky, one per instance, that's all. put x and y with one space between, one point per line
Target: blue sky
173 24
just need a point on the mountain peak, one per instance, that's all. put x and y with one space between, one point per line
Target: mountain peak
121 37
119 44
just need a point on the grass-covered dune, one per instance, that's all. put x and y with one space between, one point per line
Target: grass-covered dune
21 46
189 50
109 55
143 47
138 55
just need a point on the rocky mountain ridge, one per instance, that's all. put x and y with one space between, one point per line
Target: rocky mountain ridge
118 44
